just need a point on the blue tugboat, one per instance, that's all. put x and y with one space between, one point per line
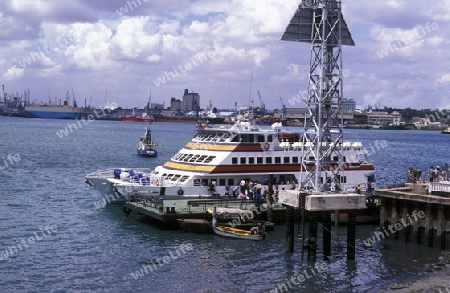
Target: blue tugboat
147 147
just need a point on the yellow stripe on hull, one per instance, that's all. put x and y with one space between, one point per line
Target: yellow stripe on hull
210 146
187 167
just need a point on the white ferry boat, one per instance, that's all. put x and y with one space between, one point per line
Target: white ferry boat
217 160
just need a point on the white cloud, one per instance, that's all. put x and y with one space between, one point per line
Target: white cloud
135 38
443 79
91 46
14 73
31 6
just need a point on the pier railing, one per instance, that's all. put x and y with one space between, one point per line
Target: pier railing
442 188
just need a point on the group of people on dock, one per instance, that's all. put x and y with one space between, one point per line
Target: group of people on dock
256 190
436 174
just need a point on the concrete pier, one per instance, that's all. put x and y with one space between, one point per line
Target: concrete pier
411 214
319 206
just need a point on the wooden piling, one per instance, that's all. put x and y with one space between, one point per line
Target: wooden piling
270 198
351 236
290 229
312 238
327 234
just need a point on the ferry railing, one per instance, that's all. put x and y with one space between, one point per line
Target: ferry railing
147 202
205 204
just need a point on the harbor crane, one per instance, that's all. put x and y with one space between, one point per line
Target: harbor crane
263 106
283 109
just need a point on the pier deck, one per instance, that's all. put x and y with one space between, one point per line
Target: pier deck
417 213
173 212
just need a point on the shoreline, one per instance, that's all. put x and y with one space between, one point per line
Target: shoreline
433 280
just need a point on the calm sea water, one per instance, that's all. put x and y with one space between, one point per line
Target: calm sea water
61 243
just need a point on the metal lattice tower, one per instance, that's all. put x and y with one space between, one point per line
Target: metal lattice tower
320 23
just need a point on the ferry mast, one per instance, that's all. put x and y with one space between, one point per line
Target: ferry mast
320 23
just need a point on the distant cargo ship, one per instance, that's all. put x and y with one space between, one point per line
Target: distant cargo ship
136 118
52 111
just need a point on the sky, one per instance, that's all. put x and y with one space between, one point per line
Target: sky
121 51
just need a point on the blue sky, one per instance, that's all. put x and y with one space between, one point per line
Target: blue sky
400 58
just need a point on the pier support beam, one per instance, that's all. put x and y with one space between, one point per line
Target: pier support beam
428 233
270 198
351 236
302 218
289 229
327 234
336 218
312 238
440 227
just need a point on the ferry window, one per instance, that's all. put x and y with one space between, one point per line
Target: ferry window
311 158
344 159
251 160
209 159
259 160
286 160
221 182
268 160
235 138
269 138
176 177
243 160
184 178
234 160
277 160
260 138
343 179
230 182
205 182
251 138
196 182
336 158
294 160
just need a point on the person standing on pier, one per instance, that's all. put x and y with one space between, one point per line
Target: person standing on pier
431 173
437 174
445 172
242 186
214 219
